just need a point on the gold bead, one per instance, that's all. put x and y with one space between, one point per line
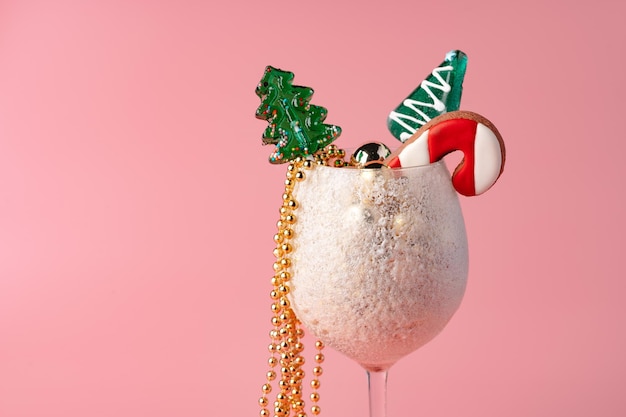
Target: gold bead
272 361
278 252
298 404
319 358
307 164
315 383
267 388
299 374
299 176
263 402
285 262
284 303
271 347
317 371
291 204
264 412
271 375
284 275
283 289
315 397
288 233
290 218
316 409
274 295
319 344
279 238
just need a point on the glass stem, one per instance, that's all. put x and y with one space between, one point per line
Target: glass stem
377 386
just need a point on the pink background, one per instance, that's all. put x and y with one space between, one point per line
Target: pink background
137 207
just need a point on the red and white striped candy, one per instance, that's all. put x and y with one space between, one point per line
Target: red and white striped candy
464 131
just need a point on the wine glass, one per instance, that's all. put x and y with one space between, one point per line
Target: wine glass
379 262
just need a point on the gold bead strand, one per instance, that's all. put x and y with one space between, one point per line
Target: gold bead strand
289 397
273 360
286 335
315 383
298 374
283 318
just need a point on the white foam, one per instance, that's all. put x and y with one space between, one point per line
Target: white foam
380 261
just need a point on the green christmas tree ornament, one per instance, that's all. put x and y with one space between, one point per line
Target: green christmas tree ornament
439 93
296 127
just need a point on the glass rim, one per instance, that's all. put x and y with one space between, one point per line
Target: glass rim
382 168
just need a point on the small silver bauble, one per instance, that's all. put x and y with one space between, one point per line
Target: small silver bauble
370 155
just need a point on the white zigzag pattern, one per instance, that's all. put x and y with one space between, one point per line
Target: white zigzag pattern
415 105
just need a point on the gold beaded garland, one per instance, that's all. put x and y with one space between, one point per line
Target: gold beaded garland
286 334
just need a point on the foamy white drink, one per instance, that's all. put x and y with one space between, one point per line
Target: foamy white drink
380 259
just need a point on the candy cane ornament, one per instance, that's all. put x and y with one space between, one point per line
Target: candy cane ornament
468 132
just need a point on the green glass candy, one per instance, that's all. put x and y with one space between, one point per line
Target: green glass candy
439 93
296 127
